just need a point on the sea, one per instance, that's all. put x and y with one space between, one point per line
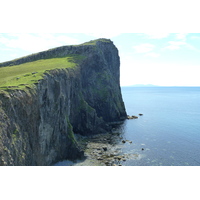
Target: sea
167 133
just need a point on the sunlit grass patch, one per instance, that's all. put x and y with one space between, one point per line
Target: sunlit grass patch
20 76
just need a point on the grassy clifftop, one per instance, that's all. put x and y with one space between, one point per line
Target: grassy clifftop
57 52
20 76
25 71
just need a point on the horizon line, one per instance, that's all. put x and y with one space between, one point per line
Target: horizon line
150 85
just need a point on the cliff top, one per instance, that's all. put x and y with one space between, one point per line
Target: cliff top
94 42
53 52
28 70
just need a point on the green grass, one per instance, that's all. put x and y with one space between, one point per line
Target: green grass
27 74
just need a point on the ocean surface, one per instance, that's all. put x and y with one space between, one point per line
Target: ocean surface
168 133
169 130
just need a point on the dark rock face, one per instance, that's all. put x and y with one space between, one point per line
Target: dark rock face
101 82
37 125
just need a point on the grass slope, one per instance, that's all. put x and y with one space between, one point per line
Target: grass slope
27 74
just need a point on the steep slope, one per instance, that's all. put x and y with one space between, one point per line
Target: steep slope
53 94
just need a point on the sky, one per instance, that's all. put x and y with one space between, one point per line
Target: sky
164 59
156 58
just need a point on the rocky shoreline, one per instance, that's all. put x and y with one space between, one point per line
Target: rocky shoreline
103 150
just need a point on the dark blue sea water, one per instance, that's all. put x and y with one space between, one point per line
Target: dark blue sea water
169 130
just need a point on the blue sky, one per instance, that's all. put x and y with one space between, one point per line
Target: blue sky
165 59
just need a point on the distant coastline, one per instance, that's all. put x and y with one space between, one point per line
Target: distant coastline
150 85
143 85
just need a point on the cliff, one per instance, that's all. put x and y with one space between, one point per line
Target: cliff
75 89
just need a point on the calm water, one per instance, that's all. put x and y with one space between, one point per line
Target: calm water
169 130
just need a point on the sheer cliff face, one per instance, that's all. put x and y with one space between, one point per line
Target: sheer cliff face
37 125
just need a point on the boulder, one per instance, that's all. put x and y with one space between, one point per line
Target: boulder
107 163
105 148
132 117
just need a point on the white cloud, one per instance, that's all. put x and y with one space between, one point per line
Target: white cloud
153 54
191 47
195 37
144 48
35 42
175 45
181 36
157 35
163 74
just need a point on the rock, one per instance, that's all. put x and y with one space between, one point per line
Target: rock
117 158
99 158
38 123
132 117
140 114
129 117
105 148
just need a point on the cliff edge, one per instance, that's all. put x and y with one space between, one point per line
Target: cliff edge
46 98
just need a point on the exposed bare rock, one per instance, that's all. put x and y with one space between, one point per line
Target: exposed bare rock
37 125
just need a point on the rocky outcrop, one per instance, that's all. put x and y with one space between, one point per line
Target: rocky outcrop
132 117
37 124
